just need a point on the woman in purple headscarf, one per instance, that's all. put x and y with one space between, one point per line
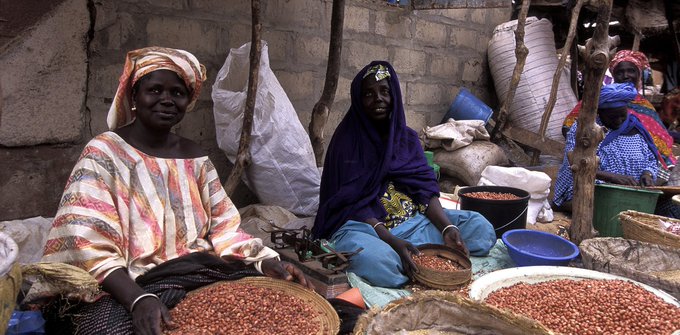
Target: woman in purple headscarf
379 194
627 153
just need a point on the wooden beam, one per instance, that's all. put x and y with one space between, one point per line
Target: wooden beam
533 140
558 73
243 158
323 106
450 4
521 52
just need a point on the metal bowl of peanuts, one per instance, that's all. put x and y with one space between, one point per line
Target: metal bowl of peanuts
254 305
441 267
571 300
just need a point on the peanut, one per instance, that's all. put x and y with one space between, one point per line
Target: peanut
235 308
586 307
492 196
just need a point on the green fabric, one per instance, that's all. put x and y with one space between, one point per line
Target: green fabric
380 72
497 259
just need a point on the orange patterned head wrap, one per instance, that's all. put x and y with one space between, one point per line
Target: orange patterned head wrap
141 62
635 57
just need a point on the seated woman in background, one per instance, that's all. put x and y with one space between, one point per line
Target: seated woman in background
627 67
627 153
379 194
144 211
670 111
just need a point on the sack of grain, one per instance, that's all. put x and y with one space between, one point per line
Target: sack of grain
438 312
10 279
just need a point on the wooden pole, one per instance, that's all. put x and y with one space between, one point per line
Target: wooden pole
668 8
521 53
243 158
323 106
558 73
583 158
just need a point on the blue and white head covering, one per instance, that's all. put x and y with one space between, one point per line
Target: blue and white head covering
616 95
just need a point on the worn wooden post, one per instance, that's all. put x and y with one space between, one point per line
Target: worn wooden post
243 158
583 160
323 106
558 73
521 53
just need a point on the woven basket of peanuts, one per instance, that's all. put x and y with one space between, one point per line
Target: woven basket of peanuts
570 300
441 267
443 312
254 305
650 228
652 264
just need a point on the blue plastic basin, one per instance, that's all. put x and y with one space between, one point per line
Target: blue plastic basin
530 247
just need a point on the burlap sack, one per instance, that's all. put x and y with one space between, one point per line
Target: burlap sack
439 312
651 264
10 279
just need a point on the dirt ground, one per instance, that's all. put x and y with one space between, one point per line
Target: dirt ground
559 226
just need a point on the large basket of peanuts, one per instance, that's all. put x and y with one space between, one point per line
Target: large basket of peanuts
441 267
254 305
578 301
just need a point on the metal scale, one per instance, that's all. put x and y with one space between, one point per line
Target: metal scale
308 249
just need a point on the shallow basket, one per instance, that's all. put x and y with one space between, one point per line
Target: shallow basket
325 314
444 280
644 227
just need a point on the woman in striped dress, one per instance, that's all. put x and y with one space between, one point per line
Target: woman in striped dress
144 211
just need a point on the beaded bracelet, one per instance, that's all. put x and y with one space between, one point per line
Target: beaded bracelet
142 296
447 227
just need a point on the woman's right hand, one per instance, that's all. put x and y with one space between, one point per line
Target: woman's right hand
405 249
149 316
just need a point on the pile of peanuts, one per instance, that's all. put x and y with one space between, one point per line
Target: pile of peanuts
492 196
435 262
588 307
237 308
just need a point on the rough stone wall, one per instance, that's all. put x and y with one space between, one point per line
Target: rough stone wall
435 52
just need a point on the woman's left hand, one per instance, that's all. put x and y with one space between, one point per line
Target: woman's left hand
452 239
275 268
646 179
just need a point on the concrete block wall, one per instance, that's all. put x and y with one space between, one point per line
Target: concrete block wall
435 52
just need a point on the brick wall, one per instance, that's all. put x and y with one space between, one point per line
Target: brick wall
435 52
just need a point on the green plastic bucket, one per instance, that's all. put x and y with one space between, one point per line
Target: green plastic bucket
610 200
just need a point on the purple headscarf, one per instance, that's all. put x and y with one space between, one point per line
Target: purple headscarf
359 164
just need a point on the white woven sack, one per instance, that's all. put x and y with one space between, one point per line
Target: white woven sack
283 170
8 253
535 83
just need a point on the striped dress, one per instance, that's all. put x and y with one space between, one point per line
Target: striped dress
122 208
